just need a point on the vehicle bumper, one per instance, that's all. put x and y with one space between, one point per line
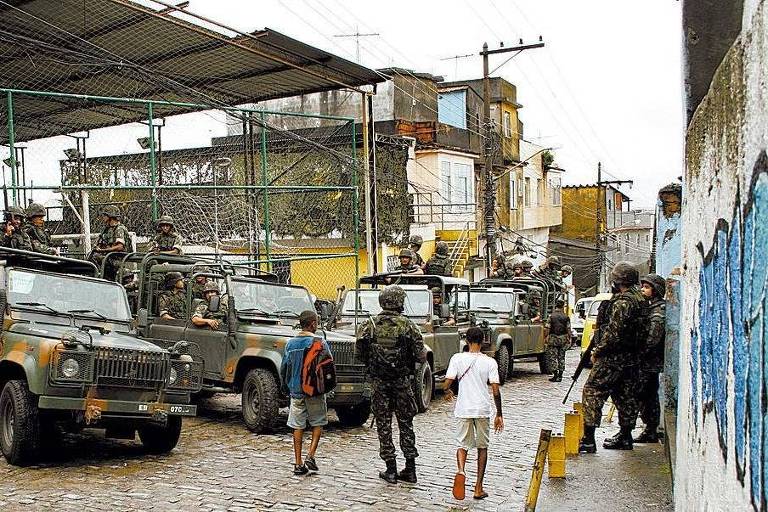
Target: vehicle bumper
349 393
117 407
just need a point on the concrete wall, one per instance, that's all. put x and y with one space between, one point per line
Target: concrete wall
722 442
578 213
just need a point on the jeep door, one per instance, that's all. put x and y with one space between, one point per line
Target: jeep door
214 347
445 344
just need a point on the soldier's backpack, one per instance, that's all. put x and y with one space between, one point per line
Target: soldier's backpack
389 359
318 372
438 266
635 332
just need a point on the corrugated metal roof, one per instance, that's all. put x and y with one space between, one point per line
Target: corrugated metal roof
119 48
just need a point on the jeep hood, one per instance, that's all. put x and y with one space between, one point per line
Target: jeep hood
109 340
284 331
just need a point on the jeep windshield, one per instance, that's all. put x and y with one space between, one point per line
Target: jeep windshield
255 298
416 303
67 295
491 302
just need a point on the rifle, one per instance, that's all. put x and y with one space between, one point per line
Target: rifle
585 357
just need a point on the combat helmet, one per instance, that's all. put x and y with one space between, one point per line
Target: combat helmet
527 264
441 248
416 240
111 211
406 253
657 282
14 211
624 273
567 268
171 278
553 262
211 286
392 298
35 210
164 219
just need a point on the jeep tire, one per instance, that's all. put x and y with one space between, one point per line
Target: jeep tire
160 438
502 358
354 415
423 386
19 424
259 399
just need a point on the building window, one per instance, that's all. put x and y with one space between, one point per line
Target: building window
512 192
507 124
456 185
610 205
647 238
445 182
539 192
626 243
527 192
556 192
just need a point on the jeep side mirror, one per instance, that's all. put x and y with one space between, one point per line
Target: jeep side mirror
445 310
524 309
214 303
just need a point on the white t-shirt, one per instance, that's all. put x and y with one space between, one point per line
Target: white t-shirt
474 400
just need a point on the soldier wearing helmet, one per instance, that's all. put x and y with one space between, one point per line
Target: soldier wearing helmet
566 271
414 244
407 266
203 316
653 287
527 267
517 269
113 238
615 358
172 302
167 240
390 345
35 229
437 306
14 235
439 264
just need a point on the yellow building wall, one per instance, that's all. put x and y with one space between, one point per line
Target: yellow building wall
579 215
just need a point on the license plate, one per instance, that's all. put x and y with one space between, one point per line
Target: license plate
347 387
180 409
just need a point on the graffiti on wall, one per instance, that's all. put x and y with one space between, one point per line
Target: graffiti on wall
730 338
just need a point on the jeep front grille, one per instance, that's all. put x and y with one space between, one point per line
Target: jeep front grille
189 375
343 353
132 368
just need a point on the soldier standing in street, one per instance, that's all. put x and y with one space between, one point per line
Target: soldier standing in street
439 264
203 316
653 287
14 235
558 340
390 345
35 229
167 240
172 302
113 238
415 244
407 266
615 362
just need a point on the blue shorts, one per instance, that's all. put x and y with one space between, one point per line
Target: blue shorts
307 411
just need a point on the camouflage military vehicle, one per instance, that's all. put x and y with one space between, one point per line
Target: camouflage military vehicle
69 359
245 353
441 325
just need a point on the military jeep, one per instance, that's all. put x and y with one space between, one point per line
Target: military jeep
244 354
69 360
442 338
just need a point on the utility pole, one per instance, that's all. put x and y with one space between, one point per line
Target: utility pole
357 35
599 221
489 192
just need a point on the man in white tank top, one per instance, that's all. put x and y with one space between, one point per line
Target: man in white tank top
474 371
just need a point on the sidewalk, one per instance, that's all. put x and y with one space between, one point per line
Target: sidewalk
610 480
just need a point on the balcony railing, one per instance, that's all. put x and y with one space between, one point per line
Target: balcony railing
445 216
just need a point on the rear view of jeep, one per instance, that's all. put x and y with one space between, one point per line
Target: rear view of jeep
69 362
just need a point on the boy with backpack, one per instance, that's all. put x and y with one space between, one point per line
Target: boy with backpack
305 358
474 371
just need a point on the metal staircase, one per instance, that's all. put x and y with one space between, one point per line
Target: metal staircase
459 251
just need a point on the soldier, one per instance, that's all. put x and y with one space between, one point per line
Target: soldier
653 288
14 235
615 362
406 263
566 271
35 229
203 317
167 240
439 264
497 267
172 302
527 267
517 269
113 238
199 284
534 305
437 303
390 345
415 244
558 340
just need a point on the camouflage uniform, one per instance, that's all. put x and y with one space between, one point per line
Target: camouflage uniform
558 341
439 264
167 241
390 346
615 371
174 304
415 244
201 311
19 239
40 239
110 236
651 364
197 289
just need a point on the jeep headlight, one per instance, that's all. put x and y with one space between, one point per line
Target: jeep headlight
70 368
173 377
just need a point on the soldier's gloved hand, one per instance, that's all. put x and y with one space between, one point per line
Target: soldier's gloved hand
213 324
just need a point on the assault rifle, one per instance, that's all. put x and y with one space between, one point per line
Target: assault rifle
583 362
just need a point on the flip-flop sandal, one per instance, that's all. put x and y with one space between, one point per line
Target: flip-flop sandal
458 485
480 496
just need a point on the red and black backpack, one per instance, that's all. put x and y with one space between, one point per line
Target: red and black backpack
318 372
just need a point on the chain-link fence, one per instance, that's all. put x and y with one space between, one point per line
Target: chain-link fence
278 190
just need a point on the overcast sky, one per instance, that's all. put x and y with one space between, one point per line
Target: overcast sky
607 86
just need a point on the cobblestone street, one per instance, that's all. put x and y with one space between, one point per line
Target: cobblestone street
219 465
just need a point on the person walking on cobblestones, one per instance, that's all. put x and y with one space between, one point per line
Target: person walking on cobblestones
653 287
304 410
558 340
615 362
14 235
474 371
390 345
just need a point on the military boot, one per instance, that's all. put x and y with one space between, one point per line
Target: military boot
621 441
587 443
649 435
409 473
390 474
559 377
553 378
